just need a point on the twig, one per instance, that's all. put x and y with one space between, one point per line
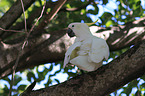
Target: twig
18 58
52 13
39 17
12 30
20 52
24 16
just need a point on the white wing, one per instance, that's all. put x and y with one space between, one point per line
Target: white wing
69 51
99 50
83 63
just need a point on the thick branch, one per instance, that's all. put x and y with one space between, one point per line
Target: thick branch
52 48
122 36
35 13
105 80
14 13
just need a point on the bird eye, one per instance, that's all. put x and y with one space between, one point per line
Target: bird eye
73 26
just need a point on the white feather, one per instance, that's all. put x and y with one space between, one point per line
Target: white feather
99 50
92 50
69 51
83 63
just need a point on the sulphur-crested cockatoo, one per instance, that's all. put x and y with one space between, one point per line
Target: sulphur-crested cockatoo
88 51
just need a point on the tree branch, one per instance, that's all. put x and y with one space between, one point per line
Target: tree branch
51 15
105 80
14 12
53 48
122 36
20 25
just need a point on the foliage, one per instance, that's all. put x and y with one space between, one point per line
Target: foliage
125 11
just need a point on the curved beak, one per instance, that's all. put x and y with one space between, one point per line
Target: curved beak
70 32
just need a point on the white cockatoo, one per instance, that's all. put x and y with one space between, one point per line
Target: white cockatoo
88 51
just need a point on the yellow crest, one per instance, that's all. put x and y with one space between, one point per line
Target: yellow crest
89 24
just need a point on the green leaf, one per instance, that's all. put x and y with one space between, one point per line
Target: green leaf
17 79
127 90
57 71
106 17
7 79
143 77
40 2
138 3
57 81
71 74
143 85
105 1
4 91
22 87
48 82
30 75
109 23
51 67
138 93
92 12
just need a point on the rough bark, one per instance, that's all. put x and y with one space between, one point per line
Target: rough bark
8 60
36 12
44 47
52 45
52 48
13 13
122 36
103 81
